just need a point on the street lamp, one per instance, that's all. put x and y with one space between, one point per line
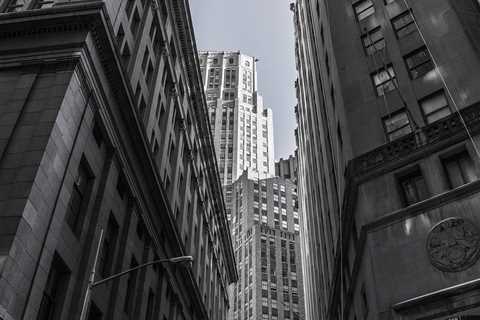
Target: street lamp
92 283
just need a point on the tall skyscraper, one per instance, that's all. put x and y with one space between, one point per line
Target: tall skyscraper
388 107
241 125
265 227
104 126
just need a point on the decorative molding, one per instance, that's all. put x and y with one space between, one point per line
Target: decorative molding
453 244
448 131
435 295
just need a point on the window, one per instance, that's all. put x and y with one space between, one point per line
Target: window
413 187
435 107
397 125
43 4
384 81
131 287
460 169
373 41
363 9
403 24
419 63
55 289
79 198
108 249
14 6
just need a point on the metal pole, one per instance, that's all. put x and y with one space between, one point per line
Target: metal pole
118 275
86 301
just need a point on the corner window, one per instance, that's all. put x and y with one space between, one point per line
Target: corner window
403 24
413 187
397 125
363 9
419 63
435 107
373 41
460 169
384 80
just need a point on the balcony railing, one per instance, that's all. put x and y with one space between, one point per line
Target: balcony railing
449 128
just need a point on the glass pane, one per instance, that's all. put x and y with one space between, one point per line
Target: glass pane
454 173
410 192
421 187
400 133
407 30
402 20
396 121
433 103
439 114
381 77
422 69
361 6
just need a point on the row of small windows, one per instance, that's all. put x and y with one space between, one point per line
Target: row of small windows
434 107
459 170
418 63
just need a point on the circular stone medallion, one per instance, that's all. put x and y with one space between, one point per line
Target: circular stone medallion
453 244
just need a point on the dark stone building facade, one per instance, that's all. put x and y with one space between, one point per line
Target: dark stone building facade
388 134
103 126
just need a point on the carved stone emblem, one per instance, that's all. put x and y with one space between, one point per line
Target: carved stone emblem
453 244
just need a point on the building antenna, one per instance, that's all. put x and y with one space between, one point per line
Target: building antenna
442 78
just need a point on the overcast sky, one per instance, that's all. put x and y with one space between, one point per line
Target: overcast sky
264 29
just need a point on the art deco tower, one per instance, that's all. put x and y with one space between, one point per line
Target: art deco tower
240 123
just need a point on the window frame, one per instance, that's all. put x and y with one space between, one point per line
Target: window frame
356 4
412 54
389 116
392 79
454 156
408 174
407 12
367 36
424 115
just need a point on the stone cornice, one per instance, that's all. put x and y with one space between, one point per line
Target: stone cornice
92 18
426 140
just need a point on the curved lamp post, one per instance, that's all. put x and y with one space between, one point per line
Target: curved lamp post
92 283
